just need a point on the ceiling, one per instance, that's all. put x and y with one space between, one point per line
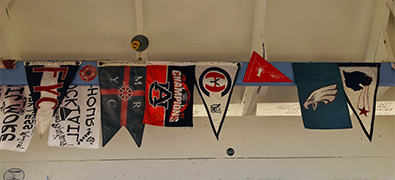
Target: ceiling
304 30
178 30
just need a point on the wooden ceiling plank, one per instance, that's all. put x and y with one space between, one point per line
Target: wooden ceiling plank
140 55
249 101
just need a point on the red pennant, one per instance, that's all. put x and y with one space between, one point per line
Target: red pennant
259 70
7 64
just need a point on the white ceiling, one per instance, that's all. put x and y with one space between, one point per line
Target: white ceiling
303 30
196 30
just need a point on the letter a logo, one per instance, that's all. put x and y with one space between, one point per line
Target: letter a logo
159 94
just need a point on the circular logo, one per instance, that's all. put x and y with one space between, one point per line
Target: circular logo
215 80
230 151
88 73
125 93
14 174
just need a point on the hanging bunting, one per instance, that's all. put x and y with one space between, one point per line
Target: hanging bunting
77 121
321 96
169 94
17 120
48 83
360 81
215 82
7 64
122 91
259 70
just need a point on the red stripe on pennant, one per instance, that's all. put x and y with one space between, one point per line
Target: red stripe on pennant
138 93
124 110
108 91
124 107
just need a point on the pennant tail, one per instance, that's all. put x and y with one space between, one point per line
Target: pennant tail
227 104
136 133
108 131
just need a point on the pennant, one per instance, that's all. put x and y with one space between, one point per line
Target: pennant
17 120
77 121
169 95
360 81
7 64
321 96
48 83
259 70
122 91
215 82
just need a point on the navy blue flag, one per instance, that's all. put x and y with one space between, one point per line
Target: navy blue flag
48 83
122 90
321 96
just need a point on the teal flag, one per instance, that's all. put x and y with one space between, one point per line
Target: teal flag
321 96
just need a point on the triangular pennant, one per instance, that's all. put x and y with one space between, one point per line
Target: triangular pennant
360 81
48 83
122 91
7 64
17 120
169 94
215 82
321 96
259 70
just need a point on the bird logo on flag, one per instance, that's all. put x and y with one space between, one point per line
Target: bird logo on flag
326 95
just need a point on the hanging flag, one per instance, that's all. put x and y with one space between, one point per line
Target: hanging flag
169 95
77 120
122 91
215 82
259 70
48 83
360 81
7 64
321 96
17 119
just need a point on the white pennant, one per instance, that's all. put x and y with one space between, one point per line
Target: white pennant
77 121
215 82
17 119
360 85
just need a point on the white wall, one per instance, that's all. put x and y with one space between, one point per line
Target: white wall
265 148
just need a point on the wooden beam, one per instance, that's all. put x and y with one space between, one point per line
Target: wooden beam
383 108
379 23
391 6
388 47
3 18
387 74
249 101
140 28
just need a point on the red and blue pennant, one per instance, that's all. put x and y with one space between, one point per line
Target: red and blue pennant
169 95
48 83
122 90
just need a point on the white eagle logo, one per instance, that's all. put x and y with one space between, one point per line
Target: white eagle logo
325 95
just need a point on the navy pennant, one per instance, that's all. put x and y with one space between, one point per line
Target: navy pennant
122 90
48 83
